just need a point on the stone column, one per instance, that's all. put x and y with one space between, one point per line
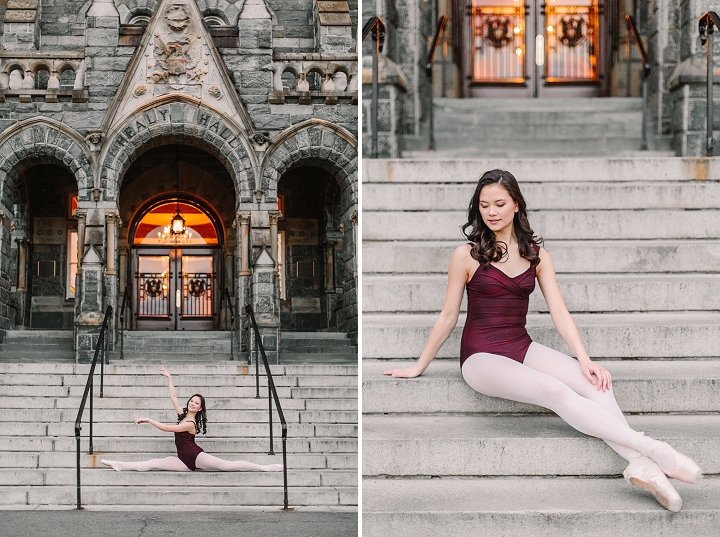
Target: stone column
329 267
22 265
122 268
81 217
244 244
112 220
265 303
274 216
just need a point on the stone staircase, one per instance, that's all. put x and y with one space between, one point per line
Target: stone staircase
468 128
37 345
636 243
317 348
37 446
162 347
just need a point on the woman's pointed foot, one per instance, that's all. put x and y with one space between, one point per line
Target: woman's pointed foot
274 468
674 464
646 474
116 465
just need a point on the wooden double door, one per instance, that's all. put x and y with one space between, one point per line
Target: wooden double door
176 288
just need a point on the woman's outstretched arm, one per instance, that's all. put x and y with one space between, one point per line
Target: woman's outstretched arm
564 323
173 393
180 427
461 266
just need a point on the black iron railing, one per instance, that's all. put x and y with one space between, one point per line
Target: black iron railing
231 316
126 303
706 26
440 30
632 28
377 26
100 346
272 394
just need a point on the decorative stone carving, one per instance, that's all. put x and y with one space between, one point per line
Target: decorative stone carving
95 140
176 50
214 91
140 90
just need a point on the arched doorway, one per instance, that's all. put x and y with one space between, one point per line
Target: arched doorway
176 276
176 281
310 250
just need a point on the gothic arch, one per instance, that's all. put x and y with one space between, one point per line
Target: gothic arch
313 143
182 120
42 140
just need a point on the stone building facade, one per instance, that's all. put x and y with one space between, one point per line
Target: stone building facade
669 29
239 116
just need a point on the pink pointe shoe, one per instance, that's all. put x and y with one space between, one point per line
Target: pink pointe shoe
686 469
644 473
116 465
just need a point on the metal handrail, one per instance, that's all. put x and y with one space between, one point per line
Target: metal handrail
88 390
125 304
706 24
632 28
272 394
428 71
377 26
228 302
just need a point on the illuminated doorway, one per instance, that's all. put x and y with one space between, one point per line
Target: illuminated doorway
177 278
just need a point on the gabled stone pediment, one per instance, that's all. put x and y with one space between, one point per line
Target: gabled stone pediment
177 56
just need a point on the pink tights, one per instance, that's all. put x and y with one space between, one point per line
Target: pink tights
203 462
553 380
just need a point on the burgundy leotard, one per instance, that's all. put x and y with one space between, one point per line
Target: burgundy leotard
187 449
496 313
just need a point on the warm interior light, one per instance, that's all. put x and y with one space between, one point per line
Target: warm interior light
517 29
178 224
550 29
518 51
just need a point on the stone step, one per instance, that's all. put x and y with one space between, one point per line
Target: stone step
541 507
109 477
167 444
188 381
317 345
559 225
217 430
574 104
507 146
202 496
428 445
549 195
329 336
487 126
217 403
686 386
425 293
56 416
606 256
217 347
319 358
298 461
208 391
39 335
540 170
177 335
669 335
180 371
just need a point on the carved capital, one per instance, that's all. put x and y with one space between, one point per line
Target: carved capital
354 218
274 216
243 218
80 215
95 141
113 216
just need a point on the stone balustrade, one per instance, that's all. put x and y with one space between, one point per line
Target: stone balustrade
337 74
65 74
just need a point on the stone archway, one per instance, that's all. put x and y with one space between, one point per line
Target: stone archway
33 151
318 144
178 120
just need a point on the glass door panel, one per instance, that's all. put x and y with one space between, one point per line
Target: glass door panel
498 44
197 286
571 41
153 286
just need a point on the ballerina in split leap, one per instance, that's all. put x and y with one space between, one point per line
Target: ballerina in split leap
191 420
498 267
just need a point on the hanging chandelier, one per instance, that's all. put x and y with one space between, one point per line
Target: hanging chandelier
177 232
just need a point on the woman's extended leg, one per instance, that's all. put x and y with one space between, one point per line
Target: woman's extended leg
172 464
498 376
205 461
567 370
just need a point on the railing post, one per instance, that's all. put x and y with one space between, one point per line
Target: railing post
257 365
429 72
709 54
644 145
375 93
77 442
92 390
272 451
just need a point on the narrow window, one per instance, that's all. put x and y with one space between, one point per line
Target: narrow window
72 262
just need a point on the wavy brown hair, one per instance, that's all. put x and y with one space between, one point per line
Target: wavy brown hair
485 249
200 417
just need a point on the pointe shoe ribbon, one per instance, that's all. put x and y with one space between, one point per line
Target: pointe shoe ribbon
646 474
685 469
